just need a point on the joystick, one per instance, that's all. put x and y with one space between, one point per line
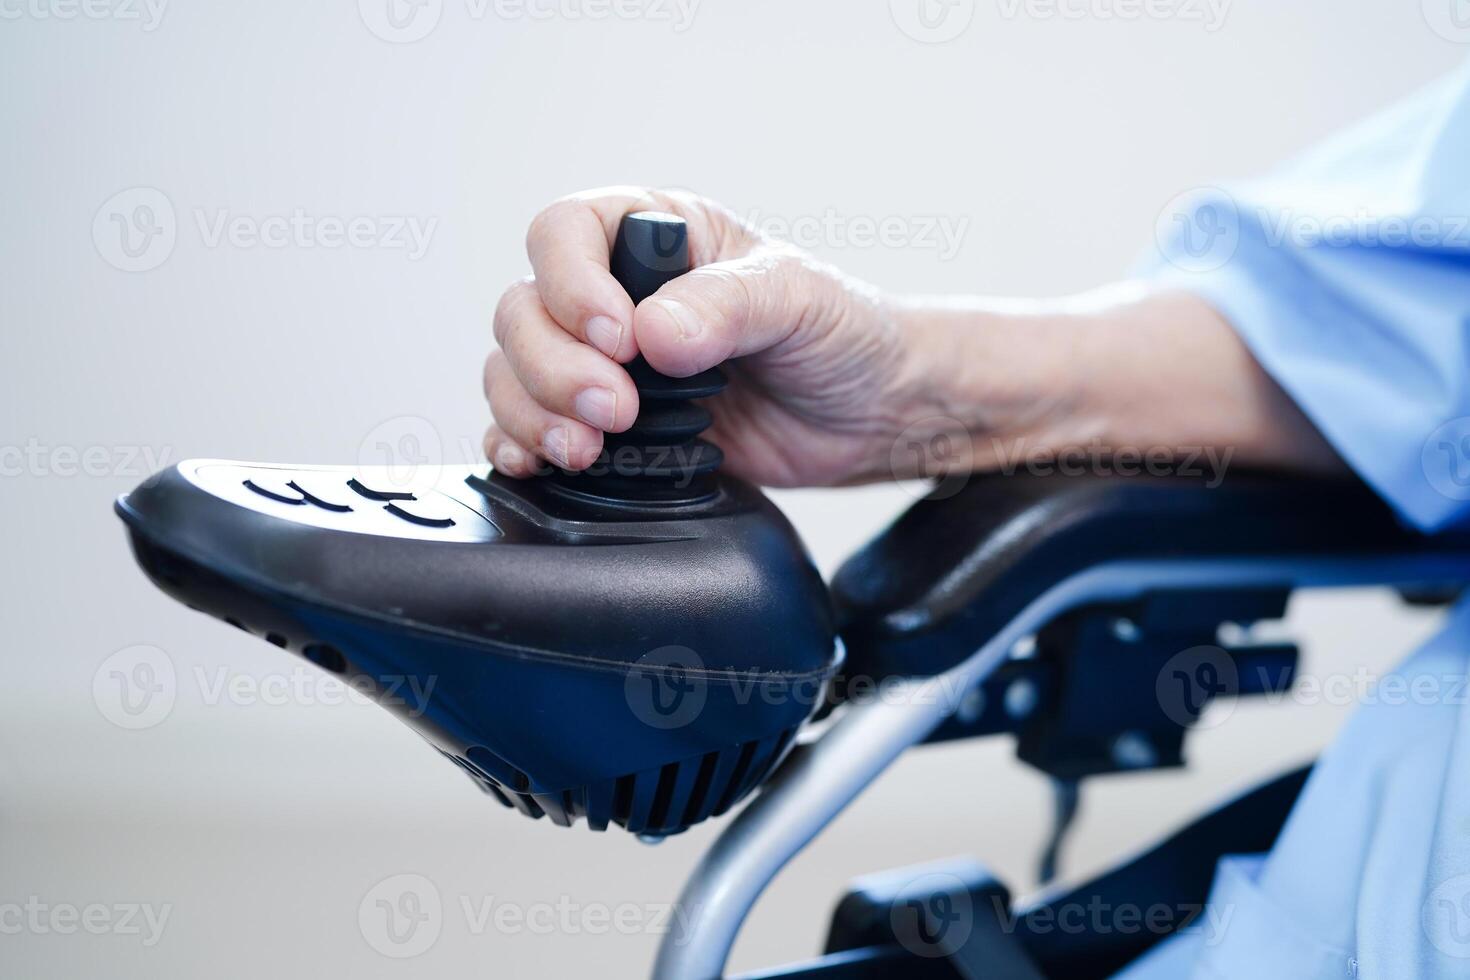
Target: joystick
660 459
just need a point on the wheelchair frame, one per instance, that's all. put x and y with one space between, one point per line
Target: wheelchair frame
821 777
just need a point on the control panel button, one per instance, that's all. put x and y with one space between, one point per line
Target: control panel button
287 494
353 500
318 500
380 495
422 519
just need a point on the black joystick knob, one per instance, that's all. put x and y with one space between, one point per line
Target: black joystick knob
660 459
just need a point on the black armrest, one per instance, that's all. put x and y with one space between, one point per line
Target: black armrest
950 573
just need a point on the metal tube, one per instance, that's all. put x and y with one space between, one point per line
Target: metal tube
818 782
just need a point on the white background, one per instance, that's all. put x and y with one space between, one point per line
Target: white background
1055 140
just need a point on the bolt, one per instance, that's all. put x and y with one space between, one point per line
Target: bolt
1021 698
1131 750
972 706
1125 629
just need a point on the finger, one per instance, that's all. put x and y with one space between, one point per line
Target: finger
566 442
508 456
728 309
569 244
562 375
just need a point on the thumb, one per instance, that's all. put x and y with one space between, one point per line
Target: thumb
724 310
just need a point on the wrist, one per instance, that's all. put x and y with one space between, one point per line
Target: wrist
1124 372
1002 377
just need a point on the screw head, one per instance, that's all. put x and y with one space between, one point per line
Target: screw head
1131 750
1021 697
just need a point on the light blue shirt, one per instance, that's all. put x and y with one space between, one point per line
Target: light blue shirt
1347 273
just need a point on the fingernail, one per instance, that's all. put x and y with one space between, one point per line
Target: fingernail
507 458
683 317
605 333
598 406
555 444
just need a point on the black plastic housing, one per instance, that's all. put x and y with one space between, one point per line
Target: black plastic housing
644 665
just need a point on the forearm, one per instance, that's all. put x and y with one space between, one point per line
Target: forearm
1122 370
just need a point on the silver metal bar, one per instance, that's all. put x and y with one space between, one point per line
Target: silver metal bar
818 782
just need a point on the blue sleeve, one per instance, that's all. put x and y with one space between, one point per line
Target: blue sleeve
1347 273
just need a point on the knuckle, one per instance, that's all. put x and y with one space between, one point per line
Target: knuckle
717 232
795 287
549 219
494 368
507 310
490 441
494 361
568 303
498 399
538 381
728 298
